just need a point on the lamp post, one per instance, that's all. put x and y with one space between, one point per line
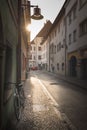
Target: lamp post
36 16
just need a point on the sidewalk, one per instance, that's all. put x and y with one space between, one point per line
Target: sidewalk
40 113
72 80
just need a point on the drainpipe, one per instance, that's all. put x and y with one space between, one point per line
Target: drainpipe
19 43
65 43
49 56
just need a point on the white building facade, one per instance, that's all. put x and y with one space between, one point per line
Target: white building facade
41 50
37 41
32 56
56 45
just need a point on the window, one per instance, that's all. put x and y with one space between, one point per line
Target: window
62 66
83 27
59 28
34 58
64 43
34 48
39 48
55 49
51 48
74 36
39 57
50 38
69 39
55 33
74 11
52 35
70 19
59 46
57 66
31 47
30 57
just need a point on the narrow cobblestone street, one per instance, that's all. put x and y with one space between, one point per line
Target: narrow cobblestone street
39 112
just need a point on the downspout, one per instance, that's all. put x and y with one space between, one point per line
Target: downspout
19 43
49 55
65 43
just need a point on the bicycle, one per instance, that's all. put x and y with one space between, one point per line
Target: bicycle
19 99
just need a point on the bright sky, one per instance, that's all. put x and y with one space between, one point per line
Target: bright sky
49 9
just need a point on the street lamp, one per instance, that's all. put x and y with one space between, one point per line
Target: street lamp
36 16
37 11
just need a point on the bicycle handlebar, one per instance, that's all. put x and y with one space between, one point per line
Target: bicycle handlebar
17 84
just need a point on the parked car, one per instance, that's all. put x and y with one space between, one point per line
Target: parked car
34 68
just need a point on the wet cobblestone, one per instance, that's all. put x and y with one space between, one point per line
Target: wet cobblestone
39 113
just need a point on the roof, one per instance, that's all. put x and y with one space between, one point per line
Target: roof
60 14
32 42
44 31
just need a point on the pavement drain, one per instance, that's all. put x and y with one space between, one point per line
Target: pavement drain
38 108
54 83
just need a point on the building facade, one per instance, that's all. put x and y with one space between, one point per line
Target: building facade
32 56
8 62
64 49
41 49
64 46
76 37
57 44
13 42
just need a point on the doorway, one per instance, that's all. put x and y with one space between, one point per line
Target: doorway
84 68
73 64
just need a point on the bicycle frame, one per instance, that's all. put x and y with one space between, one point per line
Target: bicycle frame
18 99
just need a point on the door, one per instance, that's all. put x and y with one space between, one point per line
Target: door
73 63
84 68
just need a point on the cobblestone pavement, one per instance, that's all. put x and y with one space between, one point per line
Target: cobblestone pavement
39 112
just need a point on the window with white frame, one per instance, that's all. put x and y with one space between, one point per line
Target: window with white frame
39 48
39 57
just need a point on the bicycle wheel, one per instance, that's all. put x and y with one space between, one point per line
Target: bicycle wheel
17 107
22 97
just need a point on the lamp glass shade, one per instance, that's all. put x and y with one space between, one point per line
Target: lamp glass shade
37 14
